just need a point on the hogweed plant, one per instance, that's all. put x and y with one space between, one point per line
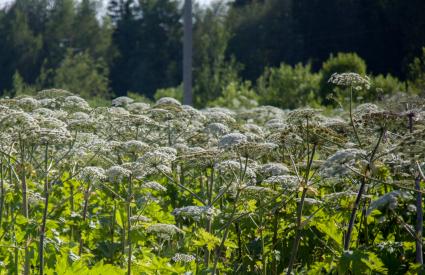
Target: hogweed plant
135 188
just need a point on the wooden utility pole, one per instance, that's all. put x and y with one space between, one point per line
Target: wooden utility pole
187 53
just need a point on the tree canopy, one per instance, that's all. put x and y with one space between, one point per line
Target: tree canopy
139 42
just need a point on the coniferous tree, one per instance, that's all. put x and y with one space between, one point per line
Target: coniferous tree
213 71
83 75
19 47
148 38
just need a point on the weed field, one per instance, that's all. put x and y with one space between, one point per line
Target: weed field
168 189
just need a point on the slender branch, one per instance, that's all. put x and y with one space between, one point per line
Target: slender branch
300 212
44 220
419 222
130 198
352 120
85 209
1 191
360 193
384 182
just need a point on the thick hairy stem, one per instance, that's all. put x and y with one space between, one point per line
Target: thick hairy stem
43 223
300 213
85 209
71 202
207 252
352 120
274 240
419 208
13 217
226 232
347 238
2 192
208 225
263 254
25 208
353 216
419 222
239 233
130 198
363 225
113 218
366 229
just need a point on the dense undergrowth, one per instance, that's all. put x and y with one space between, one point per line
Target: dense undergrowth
169 189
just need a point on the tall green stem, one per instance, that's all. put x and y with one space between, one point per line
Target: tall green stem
130 198
46 205
360 193
300 213
2 191
352 120
419 209
419 222
24 206
226 232
209 219
114 215
85 209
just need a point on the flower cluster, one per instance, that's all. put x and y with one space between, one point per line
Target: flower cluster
195 212
164 231
184 258
350 80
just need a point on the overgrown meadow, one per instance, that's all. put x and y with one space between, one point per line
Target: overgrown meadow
169 189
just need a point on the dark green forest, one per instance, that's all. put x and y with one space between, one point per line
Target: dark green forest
260 49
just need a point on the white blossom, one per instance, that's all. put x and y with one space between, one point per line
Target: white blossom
339 163
273 169
122 101
164 231
350 79
184 258
117 173
92 174
154 186
195 212
231 140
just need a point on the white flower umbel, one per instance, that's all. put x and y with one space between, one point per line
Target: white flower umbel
92 174
135 146
53 93
154 186
231 169
122 101
166 101
183 258
137 107
195 212
164 231
117 173
75 104
231 140
215 116
162 155
350 80
51 131
273 169
388 201
286 181
217 129
257 192
28 103
339 163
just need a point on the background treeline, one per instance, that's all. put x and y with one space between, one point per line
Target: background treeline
277 52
